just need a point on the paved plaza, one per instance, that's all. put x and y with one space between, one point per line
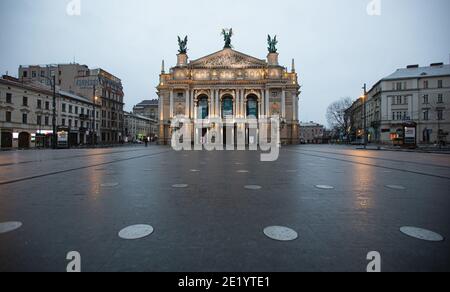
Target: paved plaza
209 210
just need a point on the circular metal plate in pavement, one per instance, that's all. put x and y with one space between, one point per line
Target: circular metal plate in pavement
396 187
421 234
280 233
253 187
109 185
324 187
136 232
6 227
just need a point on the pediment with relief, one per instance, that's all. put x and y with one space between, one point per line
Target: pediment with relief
227 58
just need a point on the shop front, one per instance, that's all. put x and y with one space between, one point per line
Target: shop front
44 139
404 135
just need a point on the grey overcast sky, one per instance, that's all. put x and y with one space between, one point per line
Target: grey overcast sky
336 44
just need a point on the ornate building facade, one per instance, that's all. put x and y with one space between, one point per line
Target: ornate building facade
228 85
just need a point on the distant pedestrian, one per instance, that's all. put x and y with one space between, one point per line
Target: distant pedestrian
146 141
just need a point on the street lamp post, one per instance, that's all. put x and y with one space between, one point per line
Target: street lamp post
54 112
53 84
365 116
94 102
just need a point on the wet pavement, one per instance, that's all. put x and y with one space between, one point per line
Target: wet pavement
208 211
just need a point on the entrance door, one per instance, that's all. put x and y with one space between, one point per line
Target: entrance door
252 117
203 107
227 113
224 139
24 140
252 106
73 139
7 138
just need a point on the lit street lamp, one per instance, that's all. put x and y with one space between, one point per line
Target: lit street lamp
364 98
94 104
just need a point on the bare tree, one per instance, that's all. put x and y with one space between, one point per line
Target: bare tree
336 114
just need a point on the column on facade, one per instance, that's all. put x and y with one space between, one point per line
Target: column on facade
236 100
241 98
235 103
259 108
214 103
220 102
262 101
283 104
195 108
187 106
192 104
217 104
267 102
243 105
243 108
237 114
211 103
171 104
294 109
161 107
217 101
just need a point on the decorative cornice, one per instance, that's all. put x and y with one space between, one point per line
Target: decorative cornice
226 82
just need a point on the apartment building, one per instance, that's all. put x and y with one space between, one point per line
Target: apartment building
26 115
98 85
409 106
147 108
138 127
311 133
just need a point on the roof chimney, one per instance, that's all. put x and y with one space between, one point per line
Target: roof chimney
437 64
412 66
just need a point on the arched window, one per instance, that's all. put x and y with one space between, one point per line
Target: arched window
252 106
227 107
203 107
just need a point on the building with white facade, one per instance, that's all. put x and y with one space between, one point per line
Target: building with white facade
26 114
138 127
410 105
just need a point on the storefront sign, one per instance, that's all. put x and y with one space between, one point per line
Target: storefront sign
44 132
